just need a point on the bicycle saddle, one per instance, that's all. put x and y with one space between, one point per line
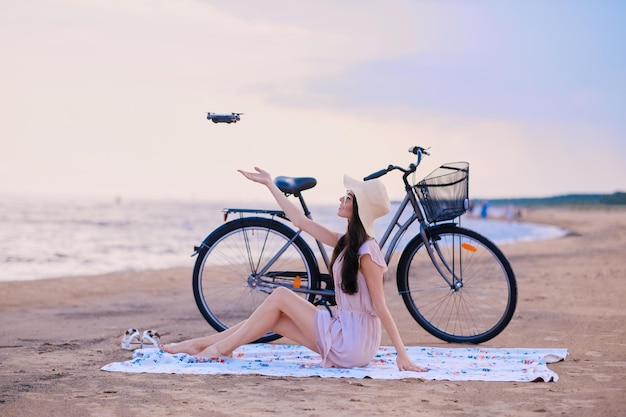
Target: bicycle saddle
293 185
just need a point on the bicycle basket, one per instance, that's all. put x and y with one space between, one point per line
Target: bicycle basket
444 192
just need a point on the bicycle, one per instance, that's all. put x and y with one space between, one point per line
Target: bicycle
454 282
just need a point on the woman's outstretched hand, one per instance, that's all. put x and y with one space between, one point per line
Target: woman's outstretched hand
260 176
405 363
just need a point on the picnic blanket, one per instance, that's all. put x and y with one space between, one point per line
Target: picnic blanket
452 364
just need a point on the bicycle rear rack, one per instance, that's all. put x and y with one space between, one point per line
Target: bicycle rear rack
272 213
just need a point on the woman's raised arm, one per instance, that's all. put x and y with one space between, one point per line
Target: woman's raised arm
295 215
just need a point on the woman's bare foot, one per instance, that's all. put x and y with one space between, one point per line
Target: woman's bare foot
191 347
213 352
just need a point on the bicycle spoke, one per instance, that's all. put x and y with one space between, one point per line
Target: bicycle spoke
244 233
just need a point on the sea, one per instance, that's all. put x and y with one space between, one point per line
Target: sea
53 237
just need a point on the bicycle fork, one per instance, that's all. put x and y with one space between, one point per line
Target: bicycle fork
456 283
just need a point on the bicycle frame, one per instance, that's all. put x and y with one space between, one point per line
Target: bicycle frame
388 236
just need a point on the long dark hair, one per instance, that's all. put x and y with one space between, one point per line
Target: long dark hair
349 244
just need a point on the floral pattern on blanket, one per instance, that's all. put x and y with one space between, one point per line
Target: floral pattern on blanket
454 364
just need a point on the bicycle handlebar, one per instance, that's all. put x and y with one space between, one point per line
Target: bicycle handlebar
417 150
379 173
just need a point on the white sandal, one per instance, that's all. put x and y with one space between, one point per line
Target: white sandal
150 338
130 340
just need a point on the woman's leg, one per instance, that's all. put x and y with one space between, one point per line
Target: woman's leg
194 346
284 312
197 345
286 326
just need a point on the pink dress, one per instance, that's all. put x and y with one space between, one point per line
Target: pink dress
351 337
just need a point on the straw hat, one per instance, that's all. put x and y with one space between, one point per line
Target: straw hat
372 199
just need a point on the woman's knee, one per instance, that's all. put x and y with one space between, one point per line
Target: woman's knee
281 297
280 293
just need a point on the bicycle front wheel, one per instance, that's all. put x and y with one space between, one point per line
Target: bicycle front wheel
241 262
473 300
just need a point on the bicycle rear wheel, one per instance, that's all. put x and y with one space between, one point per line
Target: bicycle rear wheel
227 281
475 308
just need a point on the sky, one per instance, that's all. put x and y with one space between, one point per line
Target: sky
108 98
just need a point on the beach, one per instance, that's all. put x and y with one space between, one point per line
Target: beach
56 334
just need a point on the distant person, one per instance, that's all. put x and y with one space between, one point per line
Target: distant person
484 211
351 336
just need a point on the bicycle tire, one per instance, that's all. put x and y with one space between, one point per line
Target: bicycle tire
232 254
475 312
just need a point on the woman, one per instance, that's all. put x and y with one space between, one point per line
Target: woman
351 337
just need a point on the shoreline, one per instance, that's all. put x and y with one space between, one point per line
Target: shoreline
532 235
58 332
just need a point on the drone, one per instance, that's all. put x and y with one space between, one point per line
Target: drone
224 118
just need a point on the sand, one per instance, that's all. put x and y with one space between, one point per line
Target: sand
57 333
